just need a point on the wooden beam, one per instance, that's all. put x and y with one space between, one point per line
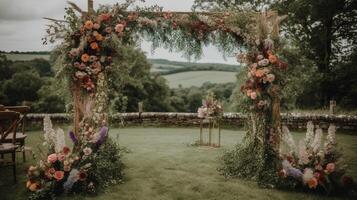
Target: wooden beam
90 7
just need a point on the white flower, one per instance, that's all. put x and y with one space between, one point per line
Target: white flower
260 57
308 175
288 139
309 137
263 62
87 151
317 140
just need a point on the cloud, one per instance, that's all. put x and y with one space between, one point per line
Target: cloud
24 10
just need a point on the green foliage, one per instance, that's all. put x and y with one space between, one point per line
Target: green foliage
22 87
246 159
107 168
189 99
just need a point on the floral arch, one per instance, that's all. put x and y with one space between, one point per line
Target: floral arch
89 50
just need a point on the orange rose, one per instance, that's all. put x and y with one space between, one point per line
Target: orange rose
59 175
32 186
99 37
88 25
259 73
85 57
94 45
272 58
312 183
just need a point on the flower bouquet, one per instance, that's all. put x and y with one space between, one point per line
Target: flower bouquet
210 107
90 165
313 166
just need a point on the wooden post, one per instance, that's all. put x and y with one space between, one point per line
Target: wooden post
140 107
90 7
219 134
210 132
201 127
332 107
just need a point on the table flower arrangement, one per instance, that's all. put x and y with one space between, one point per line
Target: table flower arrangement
312 166
210 107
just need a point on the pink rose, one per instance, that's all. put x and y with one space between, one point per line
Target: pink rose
61 157
96 26
59 175
119 28
330 167
52 158
108 29
87 151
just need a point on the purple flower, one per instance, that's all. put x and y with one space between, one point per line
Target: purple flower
293 172
73 137
102 135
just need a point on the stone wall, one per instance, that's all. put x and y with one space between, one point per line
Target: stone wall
236 120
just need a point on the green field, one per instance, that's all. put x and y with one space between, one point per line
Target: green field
197 78
162 165
26 57
191 74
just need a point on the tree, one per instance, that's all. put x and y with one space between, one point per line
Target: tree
323 30
22 87
42 66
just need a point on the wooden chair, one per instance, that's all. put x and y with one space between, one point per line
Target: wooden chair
8 125
20 135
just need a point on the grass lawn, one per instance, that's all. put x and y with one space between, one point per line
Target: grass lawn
197 78
162 165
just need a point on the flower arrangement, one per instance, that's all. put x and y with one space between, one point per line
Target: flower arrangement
66 170
210 107
314 167
264 68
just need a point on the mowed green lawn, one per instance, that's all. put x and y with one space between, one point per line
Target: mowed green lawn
162 165
197 78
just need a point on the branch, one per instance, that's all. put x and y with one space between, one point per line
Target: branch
55 20
74 6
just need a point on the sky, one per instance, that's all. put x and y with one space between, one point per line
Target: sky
22 26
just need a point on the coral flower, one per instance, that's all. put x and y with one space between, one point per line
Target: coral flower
59 175
88 25
273 59
99 37
259 73
312 183
119 28
94 45
33 187
52 158
85 57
